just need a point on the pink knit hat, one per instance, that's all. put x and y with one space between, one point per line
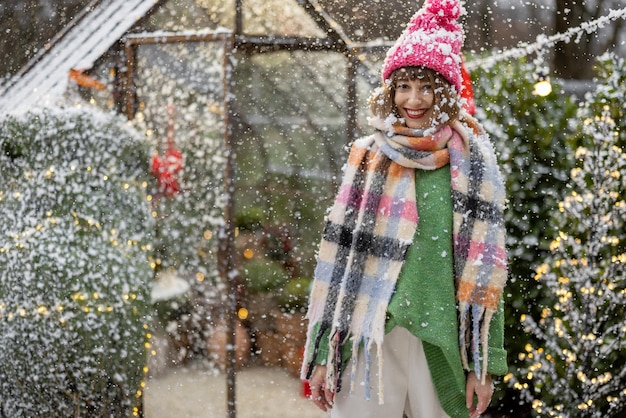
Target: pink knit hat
432 39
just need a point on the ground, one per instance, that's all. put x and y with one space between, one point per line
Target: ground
197 392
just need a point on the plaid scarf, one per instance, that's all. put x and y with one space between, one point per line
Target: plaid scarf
371 226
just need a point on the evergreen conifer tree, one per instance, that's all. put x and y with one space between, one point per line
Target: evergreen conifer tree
577 367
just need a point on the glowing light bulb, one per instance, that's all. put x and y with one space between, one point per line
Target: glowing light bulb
542 87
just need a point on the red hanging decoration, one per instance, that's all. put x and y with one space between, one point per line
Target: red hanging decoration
167 166
467 92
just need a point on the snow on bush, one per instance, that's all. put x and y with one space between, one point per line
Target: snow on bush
74 229
576 369
530 136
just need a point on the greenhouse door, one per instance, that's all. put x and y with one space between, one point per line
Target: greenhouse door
179 91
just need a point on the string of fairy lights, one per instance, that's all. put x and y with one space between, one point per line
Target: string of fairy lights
541 44
80 301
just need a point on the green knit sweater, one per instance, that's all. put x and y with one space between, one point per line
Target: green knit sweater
424 298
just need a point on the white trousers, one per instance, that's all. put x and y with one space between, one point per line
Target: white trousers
407 385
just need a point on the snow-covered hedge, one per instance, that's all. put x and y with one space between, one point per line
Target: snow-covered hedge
75 274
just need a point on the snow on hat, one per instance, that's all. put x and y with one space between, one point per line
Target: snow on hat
432 39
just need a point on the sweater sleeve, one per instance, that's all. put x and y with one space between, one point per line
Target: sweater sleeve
497 362
322 348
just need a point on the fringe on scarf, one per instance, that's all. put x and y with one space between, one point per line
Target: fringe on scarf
479 320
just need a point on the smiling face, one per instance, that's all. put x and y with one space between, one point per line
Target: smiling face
393 98
415 101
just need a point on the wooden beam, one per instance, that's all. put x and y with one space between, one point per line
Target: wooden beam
129 80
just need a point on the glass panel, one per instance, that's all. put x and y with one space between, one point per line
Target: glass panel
177 15
279 17
105 71
260 17
369 78
291 132
180 91
367 20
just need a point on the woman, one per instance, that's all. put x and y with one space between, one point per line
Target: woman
412 263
